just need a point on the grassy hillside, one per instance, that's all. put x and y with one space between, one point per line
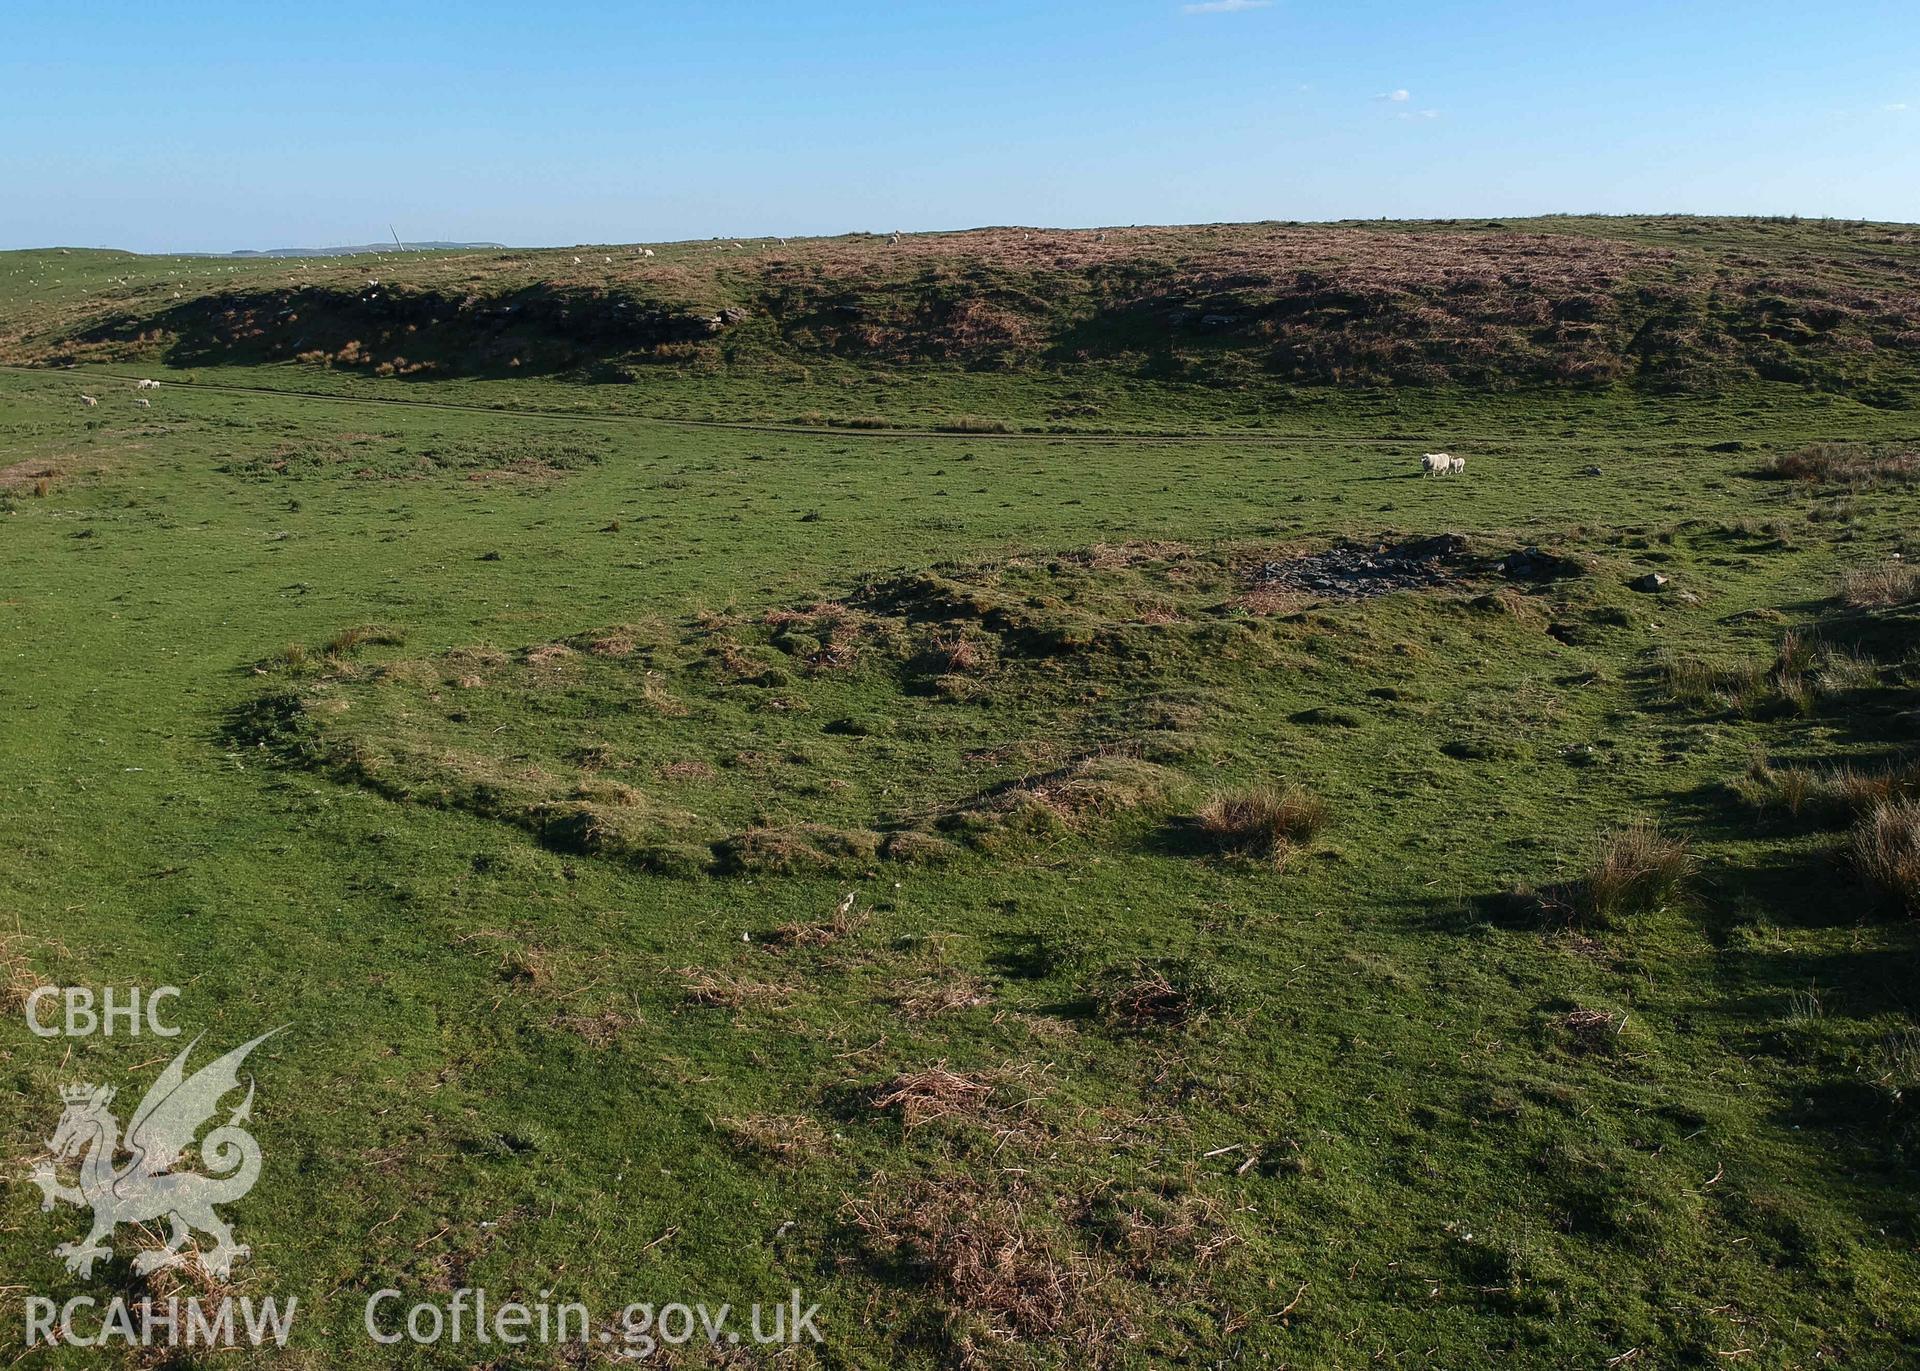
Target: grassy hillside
1667 305
1182 889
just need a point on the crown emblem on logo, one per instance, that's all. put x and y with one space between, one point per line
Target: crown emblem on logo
80 1092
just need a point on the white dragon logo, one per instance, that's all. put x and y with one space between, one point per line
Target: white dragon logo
147 1186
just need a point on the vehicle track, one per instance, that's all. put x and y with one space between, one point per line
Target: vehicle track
769 426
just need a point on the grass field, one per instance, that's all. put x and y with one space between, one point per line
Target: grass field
994 866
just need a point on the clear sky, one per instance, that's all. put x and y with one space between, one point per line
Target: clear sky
186 124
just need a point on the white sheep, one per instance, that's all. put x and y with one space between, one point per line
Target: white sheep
1456 466
146 385
144 404
1436 464
89 401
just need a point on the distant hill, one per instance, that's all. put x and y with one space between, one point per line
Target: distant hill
1662 303
353 251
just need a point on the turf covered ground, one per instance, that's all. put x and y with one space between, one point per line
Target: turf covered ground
699 861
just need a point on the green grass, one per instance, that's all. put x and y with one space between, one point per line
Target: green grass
577 999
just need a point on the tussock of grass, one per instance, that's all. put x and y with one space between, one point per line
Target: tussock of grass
1632 870
1885 850
1833 794
1895 1069
363 635
1880 587
1847 464
1170 992
788 1139
1265 822
1803 669
1635 869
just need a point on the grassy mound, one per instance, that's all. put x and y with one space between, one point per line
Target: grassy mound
994 707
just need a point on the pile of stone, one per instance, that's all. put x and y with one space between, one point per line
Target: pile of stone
1357 570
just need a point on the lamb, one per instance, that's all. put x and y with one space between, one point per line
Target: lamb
1456 466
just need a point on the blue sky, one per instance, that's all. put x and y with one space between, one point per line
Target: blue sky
177 124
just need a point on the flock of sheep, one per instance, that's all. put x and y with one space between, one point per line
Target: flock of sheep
91 400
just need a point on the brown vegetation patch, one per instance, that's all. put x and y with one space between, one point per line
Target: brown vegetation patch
844 922
1002 1271
785 1138
1859 465
688 770
722 990
1268 822
597 1028
946 992
18 979
1881 587
1885 848
1000 1098
1592 1030
1160 1235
